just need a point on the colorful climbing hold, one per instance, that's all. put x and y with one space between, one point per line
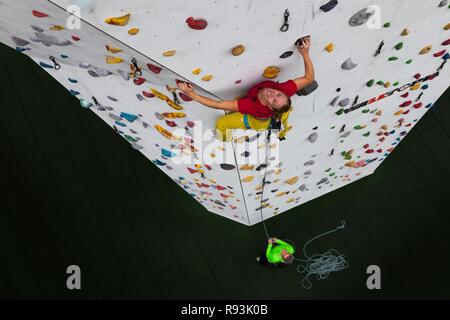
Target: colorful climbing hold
153 68
238 50
39 14
119 21
113 60
196 24
169 53
133 31
271 72
329 47
207 77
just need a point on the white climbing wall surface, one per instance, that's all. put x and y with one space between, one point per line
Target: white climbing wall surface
365 104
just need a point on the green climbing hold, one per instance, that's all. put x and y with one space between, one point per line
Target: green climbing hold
370 83
381 83
387 25
328 170
332 174
340 111
393 58
333 127
409 61
366 134
399 46
358 127
85 104
365 111
395 83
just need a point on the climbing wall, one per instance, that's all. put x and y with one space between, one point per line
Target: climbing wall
379 65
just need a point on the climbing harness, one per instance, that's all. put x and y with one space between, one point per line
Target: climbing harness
323 264
56 64
285 25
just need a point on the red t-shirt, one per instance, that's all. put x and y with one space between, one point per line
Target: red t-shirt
251 104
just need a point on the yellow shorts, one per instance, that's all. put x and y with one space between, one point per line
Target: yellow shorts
237 120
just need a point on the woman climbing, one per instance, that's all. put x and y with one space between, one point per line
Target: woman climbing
265 101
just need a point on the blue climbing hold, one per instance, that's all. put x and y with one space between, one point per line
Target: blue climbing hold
73 80
64 56
120 124
74 92
128 116
167 153
45 65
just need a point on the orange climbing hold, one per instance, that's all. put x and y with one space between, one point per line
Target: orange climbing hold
113 49
133 31
271 72
113 60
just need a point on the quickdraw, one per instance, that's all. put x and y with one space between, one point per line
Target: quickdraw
56 64
285 25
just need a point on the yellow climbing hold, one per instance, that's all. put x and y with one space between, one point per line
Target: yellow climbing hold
384 127
113 49
119 21
247 179
447 26
174 105
207 78
387 84
172 115
196 71
113 60
292 180
329 47
247 167
166 133
133 31
169 53
398 112
238 50
425 50
405 32
415 87
271 72
280 194
289 200
56 27
159 95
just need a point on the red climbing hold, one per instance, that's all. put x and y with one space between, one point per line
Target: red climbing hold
39 14
238 81
207 167
171 123
417 105
154 68
196 24
75 38
366 146
184 97
139 81
405 95
405 104
369 151
440 53
379 150
190 124
446 42
417 76
148 94
220 187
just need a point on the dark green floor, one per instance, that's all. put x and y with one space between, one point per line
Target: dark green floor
74 192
